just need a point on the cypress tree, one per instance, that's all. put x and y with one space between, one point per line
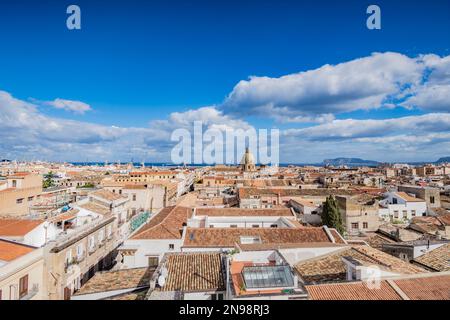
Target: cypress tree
331 216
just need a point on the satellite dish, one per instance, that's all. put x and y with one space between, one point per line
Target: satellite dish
164 272
161 281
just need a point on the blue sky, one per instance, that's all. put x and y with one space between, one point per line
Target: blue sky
137 62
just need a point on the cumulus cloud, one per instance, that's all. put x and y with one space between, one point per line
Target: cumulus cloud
361 84
27 133
352 128
430 97
69 105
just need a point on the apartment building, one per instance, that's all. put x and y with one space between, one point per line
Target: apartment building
142 197
430 195
21 272
20 191
73 258
401 206
359 213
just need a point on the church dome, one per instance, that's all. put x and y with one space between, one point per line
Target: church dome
248 158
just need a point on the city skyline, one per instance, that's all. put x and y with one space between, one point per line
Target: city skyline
382 96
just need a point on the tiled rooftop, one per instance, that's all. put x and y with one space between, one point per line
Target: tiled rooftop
247 192
94 207
408 198
227 212
352 291
331 268
437 259
189 272
167 224
116 280
10 251
436 287
17 227
107 195
228 237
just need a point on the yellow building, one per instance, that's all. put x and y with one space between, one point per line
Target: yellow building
20 191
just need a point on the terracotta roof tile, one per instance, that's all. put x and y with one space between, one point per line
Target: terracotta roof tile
116 280
228 212
331 268
17 227
94 207
195 272
428 288
167 224
437 259
107 195
10 251
228 237
352 291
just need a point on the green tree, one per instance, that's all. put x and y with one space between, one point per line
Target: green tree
331 216
48 180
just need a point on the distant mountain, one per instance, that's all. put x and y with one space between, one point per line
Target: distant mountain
350 162
443 160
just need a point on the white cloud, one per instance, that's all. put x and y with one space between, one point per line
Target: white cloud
431 97
69 105
352 128
360 84
27 133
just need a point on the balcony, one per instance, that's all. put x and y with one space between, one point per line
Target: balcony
68 265
92 249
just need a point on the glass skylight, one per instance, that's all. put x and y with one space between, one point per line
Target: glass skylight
267 277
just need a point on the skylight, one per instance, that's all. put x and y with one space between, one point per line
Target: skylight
267 277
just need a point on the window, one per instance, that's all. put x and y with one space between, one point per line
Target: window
14 183
19 200
355 225
153 261
404 256
80 251
23 286
171 246
267 276
255 225
233 225
274 226
101 235
134 197
91 243
396 214
120 191
431 199
365 225
413 213
394 200
30 198
404 213
217 296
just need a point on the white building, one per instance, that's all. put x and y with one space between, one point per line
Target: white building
401 206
